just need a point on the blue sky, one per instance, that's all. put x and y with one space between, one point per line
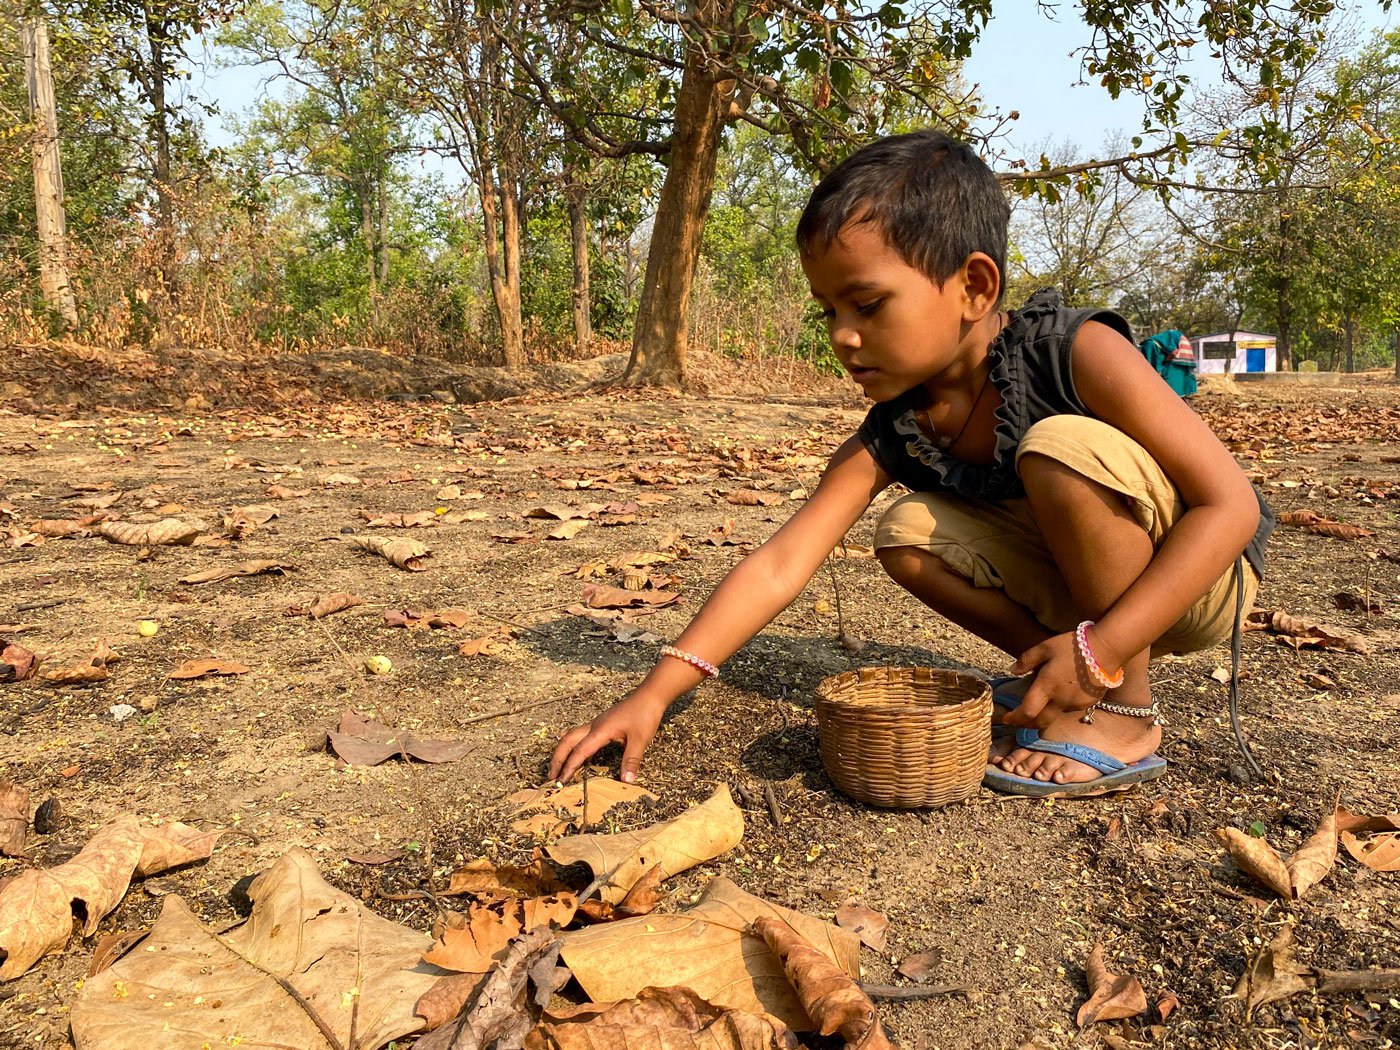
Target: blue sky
1022 62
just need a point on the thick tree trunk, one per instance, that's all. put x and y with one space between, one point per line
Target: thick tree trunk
578 236
1351 344
500 224
48 175
659 341
160 135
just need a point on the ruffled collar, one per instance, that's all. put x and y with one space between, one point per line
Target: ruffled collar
1006 376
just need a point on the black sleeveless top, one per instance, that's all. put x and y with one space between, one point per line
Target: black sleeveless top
1031 370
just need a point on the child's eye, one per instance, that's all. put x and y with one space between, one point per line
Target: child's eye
869 308
827 313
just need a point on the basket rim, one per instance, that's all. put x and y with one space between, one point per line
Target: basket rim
852 679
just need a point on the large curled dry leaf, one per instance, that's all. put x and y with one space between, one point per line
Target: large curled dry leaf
830 995
553 810
350 967
57 528
362 741
1312 521
699 834
405 553
325 605
93 669
484 878
165 533
1304 634
710 949
597 596
1289 878
1110 996
228 572
1373 841
37 908
663 1018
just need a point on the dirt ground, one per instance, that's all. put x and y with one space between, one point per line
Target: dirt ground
1009 894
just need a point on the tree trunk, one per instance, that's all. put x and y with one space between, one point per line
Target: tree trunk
1397 351
1351 344
659 341
48 174
578 236
1283 306
500 223
160 131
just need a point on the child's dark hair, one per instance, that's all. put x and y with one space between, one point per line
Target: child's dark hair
931 195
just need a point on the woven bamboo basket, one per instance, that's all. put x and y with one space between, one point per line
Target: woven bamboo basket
905 737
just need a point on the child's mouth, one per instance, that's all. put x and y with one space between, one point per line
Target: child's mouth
861 375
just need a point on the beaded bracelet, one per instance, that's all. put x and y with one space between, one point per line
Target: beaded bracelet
704 666
1097 673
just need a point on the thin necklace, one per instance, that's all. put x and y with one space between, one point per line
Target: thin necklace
943 441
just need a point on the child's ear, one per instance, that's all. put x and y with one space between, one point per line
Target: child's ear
981 286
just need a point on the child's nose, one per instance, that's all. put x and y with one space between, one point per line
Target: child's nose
845 336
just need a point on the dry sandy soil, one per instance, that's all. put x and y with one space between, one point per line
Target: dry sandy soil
1010 895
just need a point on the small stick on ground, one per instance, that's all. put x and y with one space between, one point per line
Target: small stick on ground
889 991
772 800
504 711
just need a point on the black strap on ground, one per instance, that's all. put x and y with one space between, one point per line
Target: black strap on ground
1254 766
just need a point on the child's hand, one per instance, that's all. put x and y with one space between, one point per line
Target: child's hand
631 722
1061 684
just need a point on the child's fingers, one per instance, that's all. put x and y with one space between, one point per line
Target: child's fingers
632 757
565 756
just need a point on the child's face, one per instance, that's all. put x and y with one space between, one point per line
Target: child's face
890 325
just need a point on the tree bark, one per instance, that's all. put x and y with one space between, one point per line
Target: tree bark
659 340
156 35
1283 303
48 175
1351 344
578 236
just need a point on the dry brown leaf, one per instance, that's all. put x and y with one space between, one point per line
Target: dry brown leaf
699 834
1315 857
362 741
566 530
413 619
1110 996
868 925
325 605
1166 1005
488 645
37 907
354 969
1373 841
552 810
283 492
1257 859
754 498
920 965
208 665
497 1016
165 533
1311 521
445 999
475 941
18 664
333 481
1304 634
481 876
242 520
710 948
96 502
641 899
456 517
563 512
1299 873
416 520
597 596
405 553
830 996
663 1019
93 669
57 528
639 559
245 568
14 818
1272 974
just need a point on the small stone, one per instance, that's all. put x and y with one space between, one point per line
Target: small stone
447 397
347 530
1238 774
147 704
121 712
48 818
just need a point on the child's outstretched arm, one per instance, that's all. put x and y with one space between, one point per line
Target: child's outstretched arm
756 590
1118 386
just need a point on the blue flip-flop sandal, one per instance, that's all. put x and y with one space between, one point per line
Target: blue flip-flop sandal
1002 700
1116 775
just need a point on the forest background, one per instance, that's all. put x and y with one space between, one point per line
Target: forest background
631 172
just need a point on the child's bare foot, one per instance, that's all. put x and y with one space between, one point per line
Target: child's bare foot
1125 738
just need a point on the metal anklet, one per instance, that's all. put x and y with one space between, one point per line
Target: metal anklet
1150 711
